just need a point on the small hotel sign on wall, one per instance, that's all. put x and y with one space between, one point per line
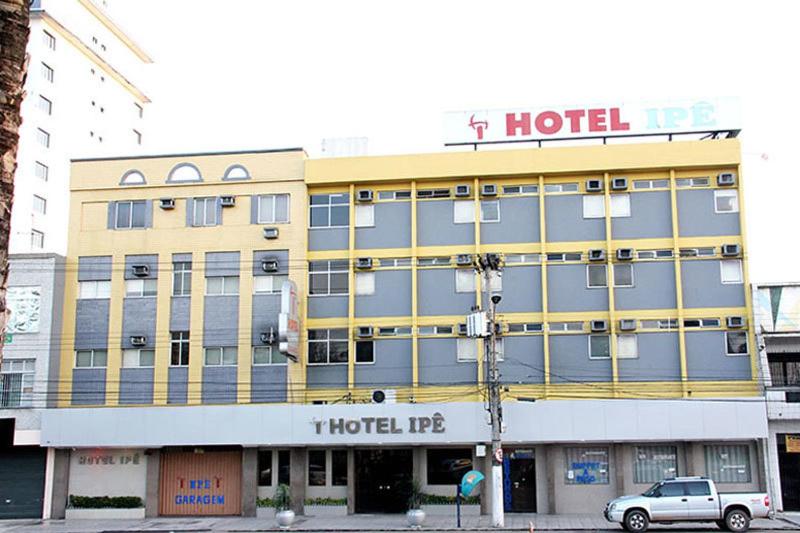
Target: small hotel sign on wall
381 425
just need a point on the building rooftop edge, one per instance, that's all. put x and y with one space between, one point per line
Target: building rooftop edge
188 154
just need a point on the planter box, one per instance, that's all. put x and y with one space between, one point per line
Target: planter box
450 510
137 513
325 510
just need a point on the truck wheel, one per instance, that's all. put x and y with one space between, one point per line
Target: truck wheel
636 521
737 521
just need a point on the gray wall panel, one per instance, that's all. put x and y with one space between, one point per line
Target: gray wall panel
519 222
221 321
438 364
327 306
567 290
151 261
136 386
91 324
570 363
392 227
659 359
654 287
392 295
696 216
651 217
565 222
185 257
522 290
328 238
392 366
138 318
219 384
523 359
282 257
706 359
437 293
180 313
268 384
178 384
266 308
88 386
435 225
703 287
96 268
326 376
222 264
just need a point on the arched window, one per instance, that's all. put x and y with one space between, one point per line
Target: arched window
132 177
236 172
184 172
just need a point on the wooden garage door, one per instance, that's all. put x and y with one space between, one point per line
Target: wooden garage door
207 483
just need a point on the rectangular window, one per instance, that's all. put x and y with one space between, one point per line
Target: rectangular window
394 195
205 211
273 208
433 193
365 351
43 137
49 40
365 283
736 343
594 206
490 211
463 212
130 214
268 284
465 280
330 210
328 277
266 355
446 466
179 348
138 358
731 271
566 326
88 290
726 201
520 189
586 466
435 330
596 276
561 187
599 347
316 468
339 468
284 467
16 382
466 349
521 258
37 239
650 184
394 262
39 205
365 216
264 468
728 463
620 205
691 182
222 285
431 261
91 358
182 278
47 72
140 288
525 328
569 256
654 463
45 105
623 275
394 331
221 356
41 171
627 346
327 346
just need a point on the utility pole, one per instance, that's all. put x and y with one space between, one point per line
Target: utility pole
489 265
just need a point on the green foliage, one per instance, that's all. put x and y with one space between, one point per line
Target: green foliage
105 502
325 501
415 495
265 502
433 499
283 498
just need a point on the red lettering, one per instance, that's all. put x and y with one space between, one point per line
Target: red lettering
513 124
616 125
597 120
555 122
574 116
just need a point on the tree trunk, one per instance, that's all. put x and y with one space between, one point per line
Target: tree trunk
14 20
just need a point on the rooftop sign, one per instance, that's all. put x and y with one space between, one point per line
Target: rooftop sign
576 122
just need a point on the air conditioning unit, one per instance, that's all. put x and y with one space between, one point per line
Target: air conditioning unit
627 324
141 271
489 189
363 263
138 340
462 190
619 184
594 185
270 233
624 254
364 195
364 332
384 396
731 250
268 337
227 201
166 203
599 325
269 265
462 329
597 255
735 321
464 260
726 179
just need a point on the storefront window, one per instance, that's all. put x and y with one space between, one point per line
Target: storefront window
264 468
284 467
654 463
586 466
728 463
446 466
316 468
339 468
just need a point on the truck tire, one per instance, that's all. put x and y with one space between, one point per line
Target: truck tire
636 521
737 520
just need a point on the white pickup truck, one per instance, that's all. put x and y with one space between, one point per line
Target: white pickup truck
688 499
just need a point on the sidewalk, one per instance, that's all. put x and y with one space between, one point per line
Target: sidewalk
514 522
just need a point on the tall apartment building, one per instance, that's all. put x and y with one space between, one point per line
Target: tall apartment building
623 315
81 100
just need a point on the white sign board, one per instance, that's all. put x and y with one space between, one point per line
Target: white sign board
25 306
591 121
289 321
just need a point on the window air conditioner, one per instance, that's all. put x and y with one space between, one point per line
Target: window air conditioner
138 340
619 184
627 324
464 260
726 179
731 250
599 325
462 329
227 201
594 185
364 195
167 203
624 254
268 337
462 190
364 332
597 255
269 265
489 189
363 263
270 233
141 271
735 321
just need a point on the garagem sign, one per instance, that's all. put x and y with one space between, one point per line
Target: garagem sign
573 122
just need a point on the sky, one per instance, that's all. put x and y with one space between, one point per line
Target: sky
254 74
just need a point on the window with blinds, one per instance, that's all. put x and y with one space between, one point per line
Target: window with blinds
586 466
654 463
728 463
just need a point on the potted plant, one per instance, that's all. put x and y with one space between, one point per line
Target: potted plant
283 503
415 514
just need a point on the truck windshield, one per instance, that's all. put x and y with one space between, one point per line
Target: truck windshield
653 490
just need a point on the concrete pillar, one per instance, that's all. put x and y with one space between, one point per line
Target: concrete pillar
152 489
298 458
60 484
761 462
484 464
688 459
351 481
542 493
417 460
249 481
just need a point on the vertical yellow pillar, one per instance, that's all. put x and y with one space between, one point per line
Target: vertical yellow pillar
162 343
244 383
678 283
748 293
480 351
414 295
543 256
114 362
351 298
195 387
612 328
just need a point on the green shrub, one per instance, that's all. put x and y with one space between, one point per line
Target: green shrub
265 502
282 500
105 502
433 499
325 501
